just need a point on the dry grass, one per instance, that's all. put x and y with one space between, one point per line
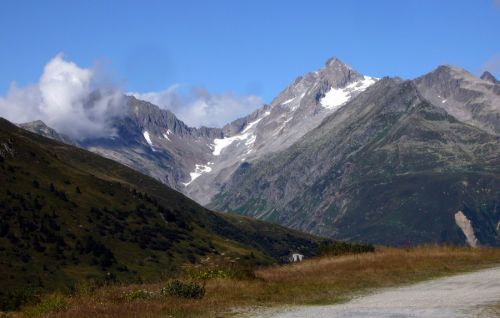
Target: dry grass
488 311
315 281
495 310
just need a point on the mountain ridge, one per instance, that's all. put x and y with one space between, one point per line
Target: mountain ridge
206 164
325 188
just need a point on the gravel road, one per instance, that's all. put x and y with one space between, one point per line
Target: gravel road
465 295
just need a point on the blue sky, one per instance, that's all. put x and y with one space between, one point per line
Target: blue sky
244 47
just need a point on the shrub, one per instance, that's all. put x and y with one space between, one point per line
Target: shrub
337 248
84 287
215 267
177 288
49 304
138 294
14 299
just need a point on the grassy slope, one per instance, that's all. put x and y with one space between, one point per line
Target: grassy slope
315 281
69 215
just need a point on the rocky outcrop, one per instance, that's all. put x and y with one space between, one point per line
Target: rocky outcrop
470 99
487 76
40 128
466 226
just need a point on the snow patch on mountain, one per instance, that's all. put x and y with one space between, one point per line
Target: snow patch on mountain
337 97
198 171
252 124
246 135
148 140
166 134
294 102
282 125
220 144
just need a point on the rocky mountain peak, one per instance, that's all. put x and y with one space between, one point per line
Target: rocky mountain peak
37 124
335 62
463 96
157 120
40 128
487 76
449 71
337 74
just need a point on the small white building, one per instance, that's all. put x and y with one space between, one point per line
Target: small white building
296 257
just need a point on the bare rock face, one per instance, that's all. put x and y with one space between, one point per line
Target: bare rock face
149 139
6 149
297 110
472 100
466 226
155 142
389 167
40 128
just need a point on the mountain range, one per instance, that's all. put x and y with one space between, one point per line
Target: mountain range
337 153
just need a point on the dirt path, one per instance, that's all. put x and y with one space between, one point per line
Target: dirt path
464 295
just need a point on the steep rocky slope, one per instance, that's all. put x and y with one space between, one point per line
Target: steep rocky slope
388 167
198 161
469 99
294 112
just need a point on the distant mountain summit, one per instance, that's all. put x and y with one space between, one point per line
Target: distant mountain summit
293 113
39 127
487 76
470 99
389 167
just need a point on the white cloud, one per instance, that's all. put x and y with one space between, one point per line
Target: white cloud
198 107
74 101
492 65
66 98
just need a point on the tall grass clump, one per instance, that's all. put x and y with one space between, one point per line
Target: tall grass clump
220 267
15 299
49 304
177 288
138 294
337 248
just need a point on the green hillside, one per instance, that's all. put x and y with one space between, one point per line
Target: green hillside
67 215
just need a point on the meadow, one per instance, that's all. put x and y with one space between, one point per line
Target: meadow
229 291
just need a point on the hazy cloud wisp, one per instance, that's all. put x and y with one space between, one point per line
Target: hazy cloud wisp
492 65
67 99
74 102
198 107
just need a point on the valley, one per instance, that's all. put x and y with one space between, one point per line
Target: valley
70 217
